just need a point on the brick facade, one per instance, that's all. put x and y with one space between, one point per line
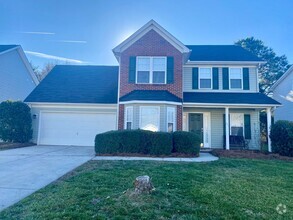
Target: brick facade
151 44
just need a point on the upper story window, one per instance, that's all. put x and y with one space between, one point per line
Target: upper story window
205 78
235 78
151 70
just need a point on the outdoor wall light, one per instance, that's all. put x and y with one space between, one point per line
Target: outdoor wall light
35 116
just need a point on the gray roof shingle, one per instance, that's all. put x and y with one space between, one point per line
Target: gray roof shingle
150 95
228 98
78 84
221 53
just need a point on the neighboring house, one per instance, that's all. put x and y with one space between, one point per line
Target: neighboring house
283 93
160 85
17 79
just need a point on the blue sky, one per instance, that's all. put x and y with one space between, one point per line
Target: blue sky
85 31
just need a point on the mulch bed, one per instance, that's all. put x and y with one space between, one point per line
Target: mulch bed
147 155
254 154
8 146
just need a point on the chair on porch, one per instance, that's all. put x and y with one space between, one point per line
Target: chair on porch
236 142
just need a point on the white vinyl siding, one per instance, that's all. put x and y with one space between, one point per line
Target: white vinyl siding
187 81
16 82
283 93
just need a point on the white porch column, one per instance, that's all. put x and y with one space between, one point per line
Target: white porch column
227 128
269 123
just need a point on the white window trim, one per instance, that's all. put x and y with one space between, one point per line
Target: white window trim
151 69
150 106
125 117
206 78
241 77
230 127
171 109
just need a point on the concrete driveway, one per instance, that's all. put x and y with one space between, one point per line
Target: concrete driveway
25 170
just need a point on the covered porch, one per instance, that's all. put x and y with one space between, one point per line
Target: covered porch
241 121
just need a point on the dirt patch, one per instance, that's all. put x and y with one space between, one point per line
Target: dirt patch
8 146
249 154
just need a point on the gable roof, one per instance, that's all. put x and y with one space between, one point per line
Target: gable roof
221 53
150 95
4 48
232 98
151 25
78 84
289 71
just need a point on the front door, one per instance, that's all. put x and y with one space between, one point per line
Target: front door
199 123
196 125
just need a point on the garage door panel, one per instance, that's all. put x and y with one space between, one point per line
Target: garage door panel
68 128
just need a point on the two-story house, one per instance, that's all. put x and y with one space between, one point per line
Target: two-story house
160 85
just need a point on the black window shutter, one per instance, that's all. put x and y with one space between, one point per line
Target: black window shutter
195 78
132 69
225 78
170 70
215 78
246 78
247 126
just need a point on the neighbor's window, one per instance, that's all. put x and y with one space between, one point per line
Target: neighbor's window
150 118
151 70
128 118
237 124
171 125
235 78
205 78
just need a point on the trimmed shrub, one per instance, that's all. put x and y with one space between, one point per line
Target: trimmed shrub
15 122
134 141
186 143
161 143
282 138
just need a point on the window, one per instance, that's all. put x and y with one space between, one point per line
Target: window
128 118
151 70
205 78
235 78
237 124
150 118
171 119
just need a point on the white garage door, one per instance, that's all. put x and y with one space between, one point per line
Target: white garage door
79 129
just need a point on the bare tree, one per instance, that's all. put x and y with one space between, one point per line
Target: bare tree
45 70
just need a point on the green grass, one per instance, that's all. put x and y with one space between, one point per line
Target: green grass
225 189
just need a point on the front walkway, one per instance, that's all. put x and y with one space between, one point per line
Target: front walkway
204 157
26 170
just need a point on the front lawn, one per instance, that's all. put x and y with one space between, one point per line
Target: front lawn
225 189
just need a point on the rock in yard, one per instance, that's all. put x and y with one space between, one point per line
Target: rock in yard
143 184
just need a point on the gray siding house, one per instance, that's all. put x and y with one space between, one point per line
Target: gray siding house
283 93
17 78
